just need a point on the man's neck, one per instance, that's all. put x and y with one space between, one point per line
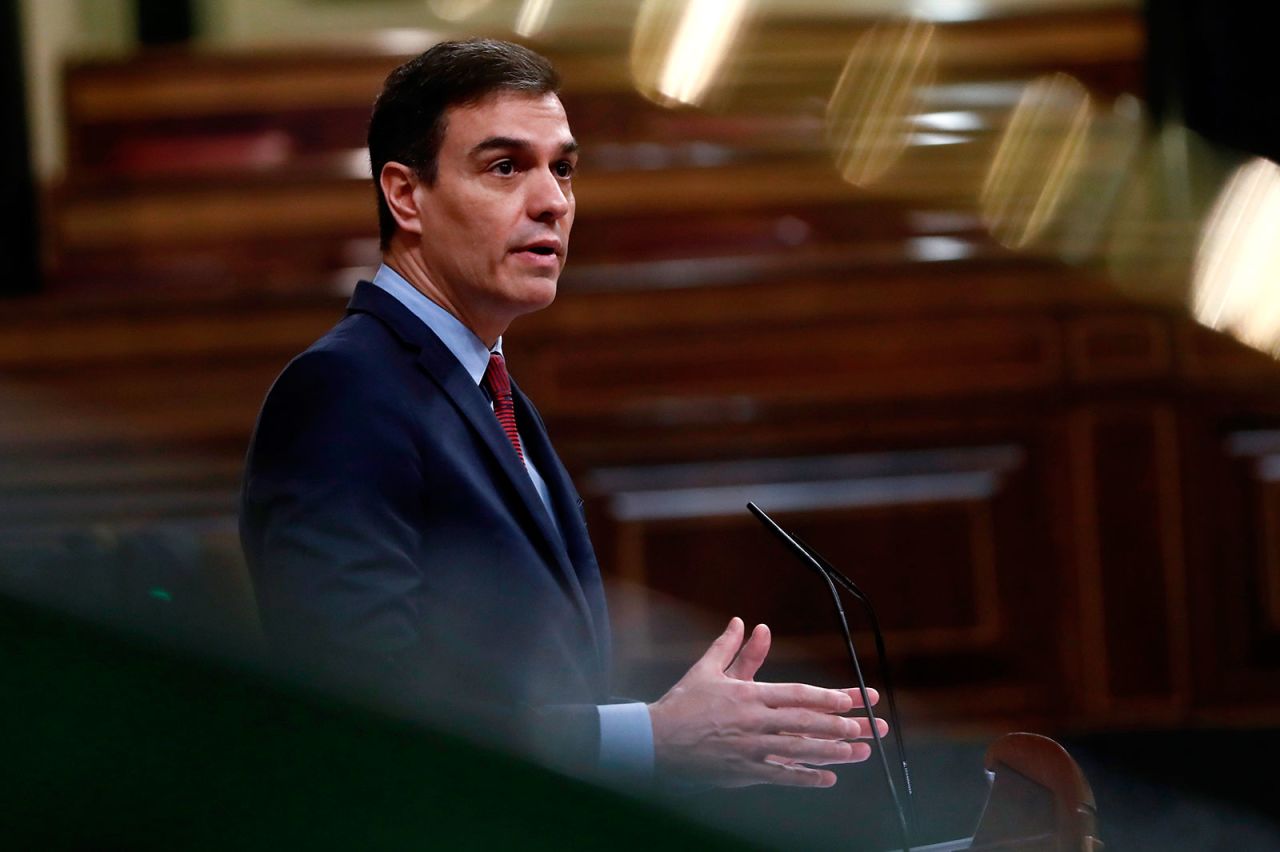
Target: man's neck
408 264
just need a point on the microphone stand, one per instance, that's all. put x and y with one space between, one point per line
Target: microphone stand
819 567
899 741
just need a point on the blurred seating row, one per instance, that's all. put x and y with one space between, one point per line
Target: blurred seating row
1061 501
247 171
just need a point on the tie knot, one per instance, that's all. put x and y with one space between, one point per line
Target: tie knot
496 378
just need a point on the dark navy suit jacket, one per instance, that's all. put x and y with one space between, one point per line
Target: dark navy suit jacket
393 535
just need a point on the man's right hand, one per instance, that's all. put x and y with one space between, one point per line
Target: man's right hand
718 726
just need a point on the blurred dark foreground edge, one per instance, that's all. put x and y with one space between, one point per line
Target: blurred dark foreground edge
112 740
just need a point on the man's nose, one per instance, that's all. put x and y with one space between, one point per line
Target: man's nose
548 198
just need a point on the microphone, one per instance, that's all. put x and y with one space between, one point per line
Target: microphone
899 739
829 576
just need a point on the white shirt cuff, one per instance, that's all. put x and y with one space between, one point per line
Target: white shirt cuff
626 741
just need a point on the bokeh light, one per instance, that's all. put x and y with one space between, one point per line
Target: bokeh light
1037 159
532 17
870 113
1112 150
1155 228
1237 267
456 10
679 47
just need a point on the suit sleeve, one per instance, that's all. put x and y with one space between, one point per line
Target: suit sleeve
333 509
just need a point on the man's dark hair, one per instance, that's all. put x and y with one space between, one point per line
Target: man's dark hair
408 122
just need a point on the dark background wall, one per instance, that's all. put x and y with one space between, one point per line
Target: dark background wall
19 242
1212 66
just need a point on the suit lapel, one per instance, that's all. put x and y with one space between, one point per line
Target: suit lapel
440 364
577 542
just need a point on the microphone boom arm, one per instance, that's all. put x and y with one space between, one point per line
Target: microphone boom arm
826 574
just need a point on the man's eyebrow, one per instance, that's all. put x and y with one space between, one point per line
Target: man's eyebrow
500 142
506 143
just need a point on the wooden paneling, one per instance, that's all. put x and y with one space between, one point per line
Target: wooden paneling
1114 348
1237 632
1214 359
800 363
934 538
1131 569
1003 472
121 413
1062 503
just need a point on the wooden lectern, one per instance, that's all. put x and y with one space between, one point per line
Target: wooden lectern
1039 801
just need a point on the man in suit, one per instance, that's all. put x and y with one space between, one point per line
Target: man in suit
404 515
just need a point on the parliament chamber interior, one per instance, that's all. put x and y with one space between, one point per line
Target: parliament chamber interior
977 298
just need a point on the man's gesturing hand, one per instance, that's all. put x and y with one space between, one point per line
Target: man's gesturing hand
718 726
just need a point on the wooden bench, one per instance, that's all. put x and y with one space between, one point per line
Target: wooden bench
247 172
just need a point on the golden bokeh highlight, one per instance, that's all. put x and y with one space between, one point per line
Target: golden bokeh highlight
1037 159
1088 213
1236 279
456 10
532 17
870 113
1157 220
679 47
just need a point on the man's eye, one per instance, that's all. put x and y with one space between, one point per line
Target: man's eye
504 167
564 169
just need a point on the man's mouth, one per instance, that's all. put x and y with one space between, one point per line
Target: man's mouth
544 254
545 247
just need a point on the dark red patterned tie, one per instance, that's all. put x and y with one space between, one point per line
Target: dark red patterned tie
499 385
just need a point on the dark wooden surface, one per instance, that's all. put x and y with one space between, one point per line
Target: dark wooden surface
1062 502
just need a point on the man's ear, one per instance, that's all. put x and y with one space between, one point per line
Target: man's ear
398 183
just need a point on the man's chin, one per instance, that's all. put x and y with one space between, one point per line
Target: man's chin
530 295
539 291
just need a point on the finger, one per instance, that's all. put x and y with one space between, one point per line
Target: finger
858 753
803 695
864 728
822 725
811 750
810 723
789 775
856 695
723 650
751 657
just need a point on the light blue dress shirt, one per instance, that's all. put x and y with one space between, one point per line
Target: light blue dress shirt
626 732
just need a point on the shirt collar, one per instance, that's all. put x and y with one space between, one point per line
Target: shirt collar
470 350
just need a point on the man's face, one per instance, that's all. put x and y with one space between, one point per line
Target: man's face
495 225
